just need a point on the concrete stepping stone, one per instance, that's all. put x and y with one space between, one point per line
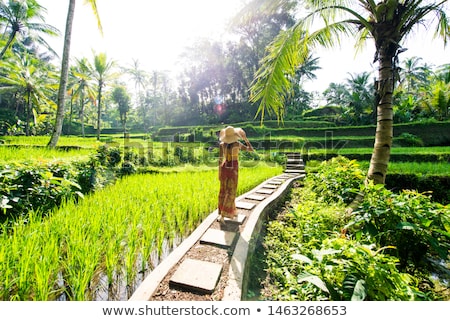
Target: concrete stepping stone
270 186
238 220
276 182
265 191
245 205
197 275
223 239
255 197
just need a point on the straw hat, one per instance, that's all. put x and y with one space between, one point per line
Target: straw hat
229 135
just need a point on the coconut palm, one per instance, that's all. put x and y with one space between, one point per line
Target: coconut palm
19 18
139 76
82 86
413 73
436 96
102 71
388 23
33 83
65 68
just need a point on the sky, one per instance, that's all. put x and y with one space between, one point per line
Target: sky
155 32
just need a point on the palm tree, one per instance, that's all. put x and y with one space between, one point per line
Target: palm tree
387 22
65 68
29 79
102 72
19 18
436 96
139 77
413 73
82 86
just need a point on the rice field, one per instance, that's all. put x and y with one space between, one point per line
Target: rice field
32 154
103 246
424 168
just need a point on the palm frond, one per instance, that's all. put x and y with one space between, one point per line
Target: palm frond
271 84
443 27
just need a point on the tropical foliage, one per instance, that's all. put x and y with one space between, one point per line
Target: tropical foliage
390 248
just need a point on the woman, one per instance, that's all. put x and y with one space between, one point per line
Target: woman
229 168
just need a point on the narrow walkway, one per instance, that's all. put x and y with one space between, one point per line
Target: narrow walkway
211 263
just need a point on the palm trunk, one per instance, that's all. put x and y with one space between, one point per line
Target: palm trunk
64 76
27 116
8 44
82 114
385 118
99 110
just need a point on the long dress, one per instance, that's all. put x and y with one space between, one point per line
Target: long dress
228 177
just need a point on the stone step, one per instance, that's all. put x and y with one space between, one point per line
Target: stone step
294 171
255 197
276 182
270 186
197 275
245 205
295 167
219 238
265 191
238 220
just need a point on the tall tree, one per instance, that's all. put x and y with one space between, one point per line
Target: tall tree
102 71
356 96
140 78
387 22
122 99
20 18
82 86
65 68
413 73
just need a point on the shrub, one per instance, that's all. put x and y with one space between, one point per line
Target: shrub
308 259
409 140
25 187
337 180
409 221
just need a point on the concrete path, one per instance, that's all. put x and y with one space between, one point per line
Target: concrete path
202 275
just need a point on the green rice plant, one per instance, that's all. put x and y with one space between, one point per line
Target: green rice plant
82 256
422 168
88 142
131 256
47 268
34 155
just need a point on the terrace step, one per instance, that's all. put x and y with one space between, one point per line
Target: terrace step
294 164
222 239
197 275
295 171
255 197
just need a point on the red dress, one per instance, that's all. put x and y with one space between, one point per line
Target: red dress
228 177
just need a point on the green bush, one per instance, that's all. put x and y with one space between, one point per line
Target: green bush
307 258
409 140
336 180
25 188
409 221
386 250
